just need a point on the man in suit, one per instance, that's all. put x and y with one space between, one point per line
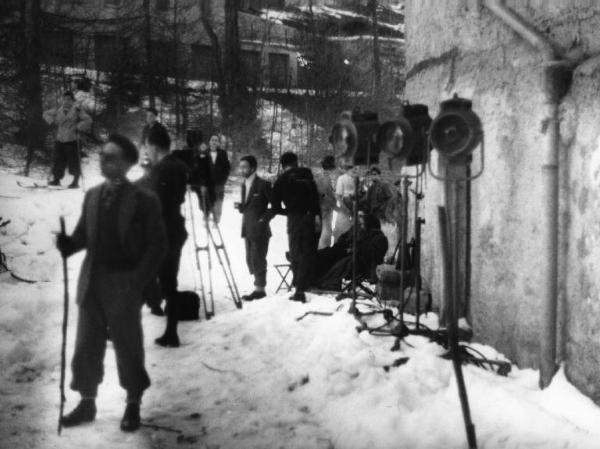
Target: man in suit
167 179
122 230
220 168
256 196
296 188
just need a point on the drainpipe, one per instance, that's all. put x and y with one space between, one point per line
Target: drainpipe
552 64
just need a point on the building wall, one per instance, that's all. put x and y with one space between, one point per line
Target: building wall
255 33
457 46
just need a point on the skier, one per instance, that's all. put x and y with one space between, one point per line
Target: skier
69 119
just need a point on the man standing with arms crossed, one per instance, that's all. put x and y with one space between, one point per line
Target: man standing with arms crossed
122 230
256 196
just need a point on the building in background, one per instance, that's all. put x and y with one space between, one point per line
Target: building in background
281 41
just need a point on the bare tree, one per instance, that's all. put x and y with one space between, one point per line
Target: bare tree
31 86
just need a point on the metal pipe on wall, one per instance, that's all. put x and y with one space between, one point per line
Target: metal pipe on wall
551 60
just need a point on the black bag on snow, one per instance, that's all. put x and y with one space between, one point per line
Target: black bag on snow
188 306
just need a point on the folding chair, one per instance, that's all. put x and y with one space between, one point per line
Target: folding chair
284 270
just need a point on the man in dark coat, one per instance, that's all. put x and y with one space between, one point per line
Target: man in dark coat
296 188
151 122
371 246
378 195
256 196
122 230
201 178
220 169
168 179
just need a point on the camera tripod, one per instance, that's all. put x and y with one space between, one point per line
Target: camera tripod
203 255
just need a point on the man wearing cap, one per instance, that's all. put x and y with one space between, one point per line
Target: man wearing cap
122 231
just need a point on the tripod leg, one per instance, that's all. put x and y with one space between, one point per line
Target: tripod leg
226 266
208 314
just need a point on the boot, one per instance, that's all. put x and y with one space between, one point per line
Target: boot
84 412
131 417
298 296
170 339
75 183
54 182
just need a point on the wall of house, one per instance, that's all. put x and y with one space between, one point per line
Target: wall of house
457 46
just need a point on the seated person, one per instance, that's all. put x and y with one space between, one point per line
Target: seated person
371 247
327 257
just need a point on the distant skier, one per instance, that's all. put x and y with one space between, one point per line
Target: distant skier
122 231
70 119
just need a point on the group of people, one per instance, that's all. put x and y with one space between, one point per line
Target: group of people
133 234
126 227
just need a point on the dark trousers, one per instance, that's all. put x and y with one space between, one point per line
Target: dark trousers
303 243
112 306
218 205
66 154
165 285
256 259
167 278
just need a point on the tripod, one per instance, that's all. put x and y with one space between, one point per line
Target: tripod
202 252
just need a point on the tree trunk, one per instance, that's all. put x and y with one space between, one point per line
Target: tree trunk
205 17
31 86
376 55
148 79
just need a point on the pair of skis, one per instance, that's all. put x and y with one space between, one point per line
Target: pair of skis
203 256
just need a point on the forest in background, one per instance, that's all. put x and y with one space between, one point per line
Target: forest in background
200 63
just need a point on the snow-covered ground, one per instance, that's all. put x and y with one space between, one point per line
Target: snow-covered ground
256 377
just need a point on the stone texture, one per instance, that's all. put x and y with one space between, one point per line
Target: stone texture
457 46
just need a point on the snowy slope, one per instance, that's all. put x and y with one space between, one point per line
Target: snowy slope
256 377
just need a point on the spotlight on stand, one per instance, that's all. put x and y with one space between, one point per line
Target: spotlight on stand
456 131
406 137
344 138
354 137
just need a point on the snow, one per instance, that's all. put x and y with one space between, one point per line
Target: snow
256 377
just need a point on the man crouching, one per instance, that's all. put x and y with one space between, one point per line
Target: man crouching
123 232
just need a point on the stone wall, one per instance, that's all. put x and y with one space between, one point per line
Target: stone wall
458 46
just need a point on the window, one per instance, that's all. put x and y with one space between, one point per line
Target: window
57 46
279 64
162 5
105 51
162 57
113 3
251 64
203 66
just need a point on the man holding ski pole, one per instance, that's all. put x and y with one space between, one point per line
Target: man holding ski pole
122 230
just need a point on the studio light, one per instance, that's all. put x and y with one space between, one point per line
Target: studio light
406 137
457 130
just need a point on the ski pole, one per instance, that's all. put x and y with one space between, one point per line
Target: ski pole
64 331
